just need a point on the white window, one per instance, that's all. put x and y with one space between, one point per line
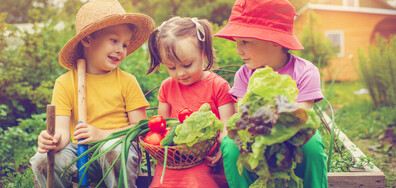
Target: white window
350 3
336 37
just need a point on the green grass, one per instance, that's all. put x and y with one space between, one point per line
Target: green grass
365 125
342 93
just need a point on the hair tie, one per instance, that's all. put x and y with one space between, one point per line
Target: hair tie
200 29
160 27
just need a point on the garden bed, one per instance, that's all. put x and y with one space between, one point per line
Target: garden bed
358 177
364 177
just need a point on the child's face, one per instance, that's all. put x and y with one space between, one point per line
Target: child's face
257 53
107 48
190 68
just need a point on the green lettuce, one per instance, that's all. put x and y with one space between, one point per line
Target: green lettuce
270 129
199 126
267 84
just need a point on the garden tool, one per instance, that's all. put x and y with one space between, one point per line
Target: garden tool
51 153
82 117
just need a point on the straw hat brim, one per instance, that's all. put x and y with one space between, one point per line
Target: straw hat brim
143 27
240 30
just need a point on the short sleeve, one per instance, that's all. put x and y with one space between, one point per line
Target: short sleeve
309 86
241 81
62 99
162 93
223 96
134 98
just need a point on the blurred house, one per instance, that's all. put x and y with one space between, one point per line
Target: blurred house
349 25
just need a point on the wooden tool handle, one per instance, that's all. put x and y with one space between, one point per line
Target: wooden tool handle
51 153
82 91
82 117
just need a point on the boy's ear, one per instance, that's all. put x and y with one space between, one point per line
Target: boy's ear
86 41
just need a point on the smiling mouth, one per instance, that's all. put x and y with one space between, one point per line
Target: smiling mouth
114 58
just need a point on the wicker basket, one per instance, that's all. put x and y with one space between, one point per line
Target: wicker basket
180 157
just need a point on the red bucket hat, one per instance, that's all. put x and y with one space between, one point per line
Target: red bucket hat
268 20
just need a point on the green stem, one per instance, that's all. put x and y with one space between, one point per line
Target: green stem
108 170
102 153
163 169
331 137
79 157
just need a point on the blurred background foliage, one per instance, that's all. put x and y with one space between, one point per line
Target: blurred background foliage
29 65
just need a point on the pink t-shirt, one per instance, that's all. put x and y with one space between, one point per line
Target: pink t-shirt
304 73
213 90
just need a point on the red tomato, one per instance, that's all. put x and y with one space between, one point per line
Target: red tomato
153 138
184 113
157 124
167 130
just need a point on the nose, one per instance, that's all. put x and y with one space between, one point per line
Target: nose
118 48
181 73
238 50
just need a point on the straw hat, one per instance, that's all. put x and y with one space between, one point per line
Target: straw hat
268 20
96 15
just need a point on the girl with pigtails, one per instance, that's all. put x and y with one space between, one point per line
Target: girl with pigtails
184 47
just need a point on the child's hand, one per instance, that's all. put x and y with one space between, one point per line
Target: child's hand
214 159
46 142
89 133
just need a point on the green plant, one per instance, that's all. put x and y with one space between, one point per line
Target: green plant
378 71
18 179
18 144
30 69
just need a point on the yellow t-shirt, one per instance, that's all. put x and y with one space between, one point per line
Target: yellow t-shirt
109 97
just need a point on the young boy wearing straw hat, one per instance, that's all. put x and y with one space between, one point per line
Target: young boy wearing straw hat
263 32
106 34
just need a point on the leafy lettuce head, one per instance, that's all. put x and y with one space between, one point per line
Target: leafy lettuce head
266 83
199 126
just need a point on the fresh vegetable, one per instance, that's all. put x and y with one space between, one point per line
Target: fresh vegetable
200 125
153 138
269 129
167 130
126 136
157 124
168 138
184 114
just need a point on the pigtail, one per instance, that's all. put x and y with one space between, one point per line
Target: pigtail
154 55
207 44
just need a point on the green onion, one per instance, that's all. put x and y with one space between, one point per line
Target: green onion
163 169
129 135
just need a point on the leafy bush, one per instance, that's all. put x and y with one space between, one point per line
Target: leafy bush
228 60
28 71
378 70
19 143
18 179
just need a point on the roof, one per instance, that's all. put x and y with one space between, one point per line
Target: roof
361 3
342 8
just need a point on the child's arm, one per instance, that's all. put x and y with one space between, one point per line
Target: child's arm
306 104
90 133
164 109
61 138
225 112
